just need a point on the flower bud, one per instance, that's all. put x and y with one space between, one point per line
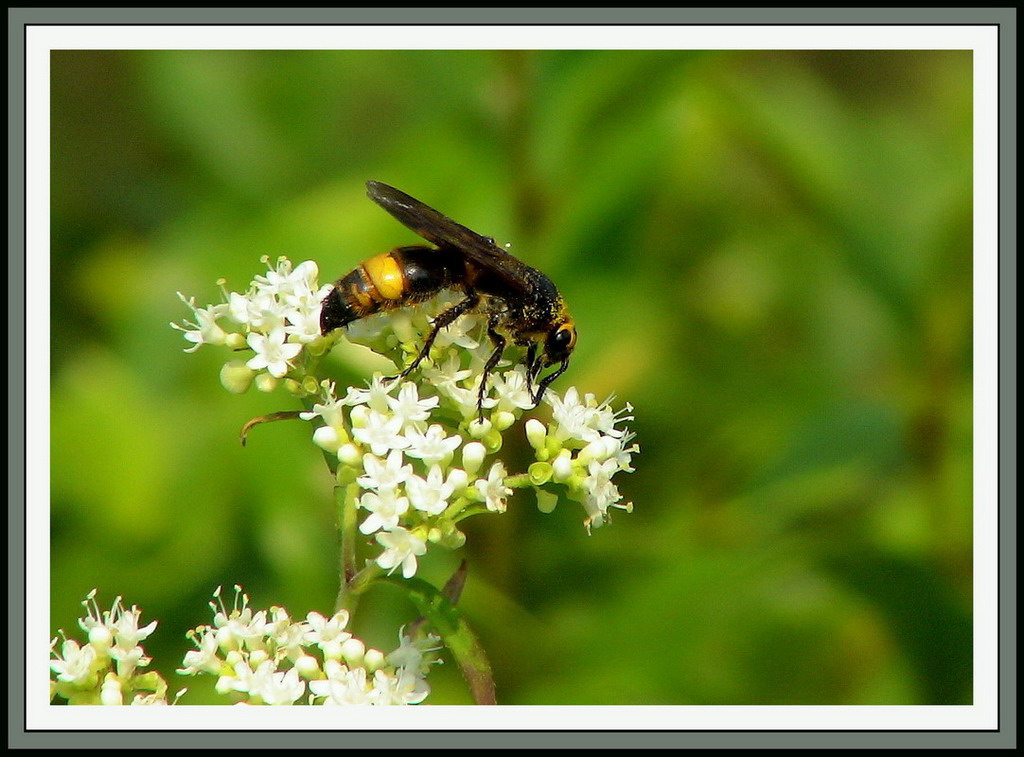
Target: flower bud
536 433
235 341
332 649
258 656
472 457
373 660
546 501
307 667
455 540
403 328
479 428
352 651
503 419
236 376
233 657
540 473
227 642
358 414
350 454
110 691
100 637
326 437
266 383
318 347
561 467
492 440
458 478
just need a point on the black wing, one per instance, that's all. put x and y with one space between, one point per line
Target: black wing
442 231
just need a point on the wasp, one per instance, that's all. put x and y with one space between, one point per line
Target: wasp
521 304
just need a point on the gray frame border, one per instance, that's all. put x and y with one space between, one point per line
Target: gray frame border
1004 18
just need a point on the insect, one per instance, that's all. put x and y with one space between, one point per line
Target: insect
521 304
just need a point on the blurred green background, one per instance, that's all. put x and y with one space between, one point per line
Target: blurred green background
767 253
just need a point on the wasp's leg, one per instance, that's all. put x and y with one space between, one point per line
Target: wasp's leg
532 365
547 380
499 347
444 319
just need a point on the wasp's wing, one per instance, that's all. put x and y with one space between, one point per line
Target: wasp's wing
439 229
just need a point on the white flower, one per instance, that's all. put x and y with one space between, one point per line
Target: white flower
204 659
381 433
256 310
385 510
409 407
304 321
331 410
467 399
328 633
239 628
276 687
205 329
384 475
376 396
288 285
446 375
410 654
513 390
127 633
460 333
585 421
406 687
342 685
430 495
493 488
603 420
272 352
367 329
287 636
569 416
433 446
617 450
601 492
411 687
401 547
74 663
243 678
128 659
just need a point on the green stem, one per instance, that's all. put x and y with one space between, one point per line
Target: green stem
518 481
346 499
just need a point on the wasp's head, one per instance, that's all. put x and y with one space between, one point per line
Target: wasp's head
558 346
560 342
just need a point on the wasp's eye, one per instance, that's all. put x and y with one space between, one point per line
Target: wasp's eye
561 341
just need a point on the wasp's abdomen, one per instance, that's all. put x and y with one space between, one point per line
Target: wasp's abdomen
403 276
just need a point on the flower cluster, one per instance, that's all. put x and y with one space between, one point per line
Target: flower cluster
415 458
265 657
277 318
106 669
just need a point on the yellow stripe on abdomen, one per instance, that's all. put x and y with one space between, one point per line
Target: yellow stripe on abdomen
386 275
